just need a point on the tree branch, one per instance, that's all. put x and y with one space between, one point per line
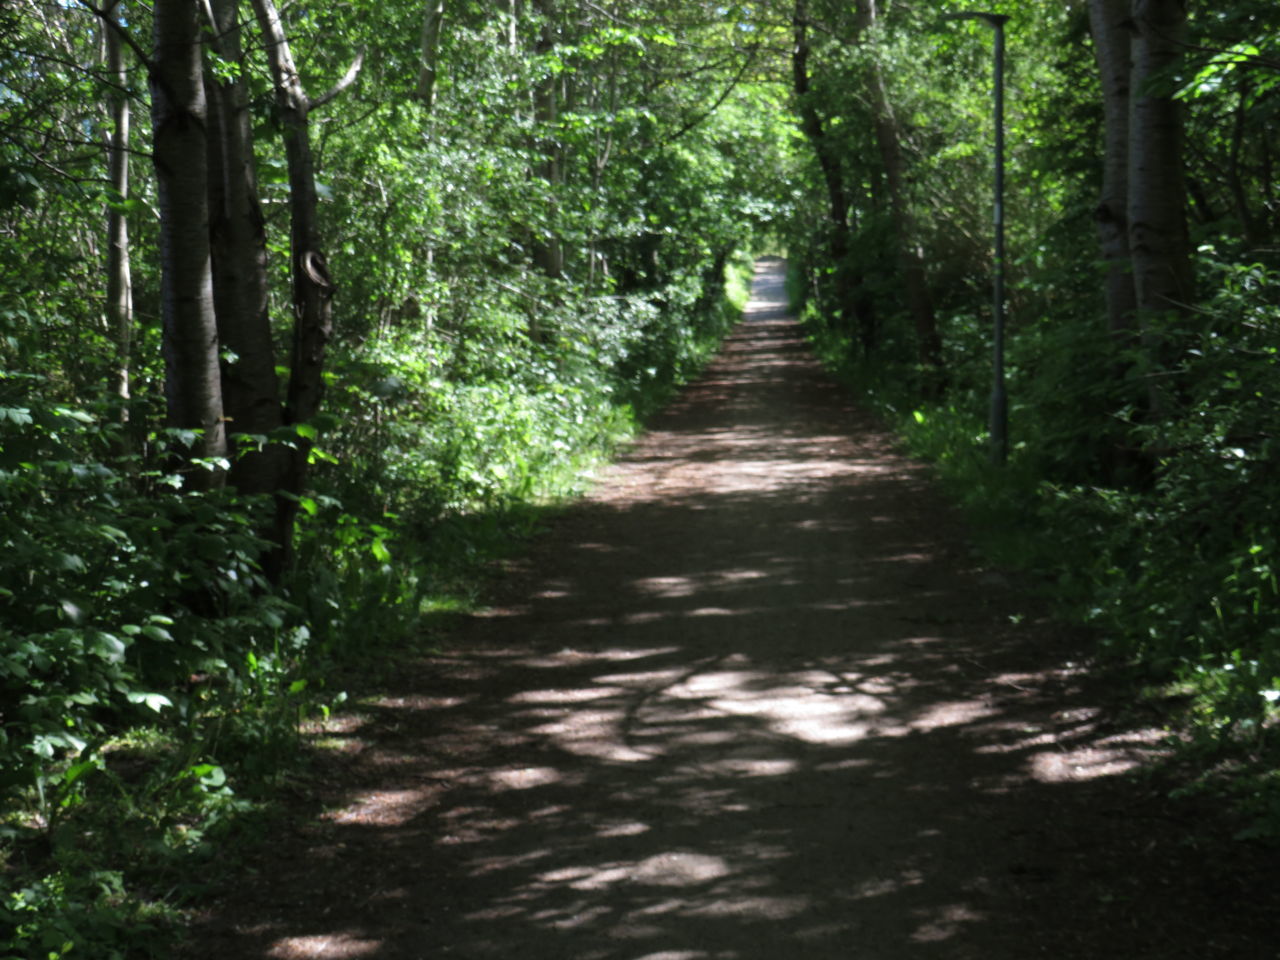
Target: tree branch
112 24
733 85
347 80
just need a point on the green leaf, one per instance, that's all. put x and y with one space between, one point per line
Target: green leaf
78 415
156 701
209 774
108 647
77 770
68 562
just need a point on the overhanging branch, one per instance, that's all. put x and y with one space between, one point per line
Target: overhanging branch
347 80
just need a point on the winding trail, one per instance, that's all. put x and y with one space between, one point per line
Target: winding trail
753 699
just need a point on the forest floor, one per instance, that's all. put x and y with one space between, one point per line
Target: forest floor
754 698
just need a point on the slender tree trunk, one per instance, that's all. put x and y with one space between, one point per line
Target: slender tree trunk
251 388
312 288
193 387
1112 30
608 97
910 255
814 131
1158 238
119 280
1108 20
548 253
427 71
1158 241
852 305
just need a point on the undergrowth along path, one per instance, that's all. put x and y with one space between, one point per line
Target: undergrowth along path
752 699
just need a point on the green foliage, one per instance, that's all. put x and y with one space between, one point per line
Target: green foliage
1186 581
525 268
1172 560
1141 483
115 600
123 602
68 915
151 676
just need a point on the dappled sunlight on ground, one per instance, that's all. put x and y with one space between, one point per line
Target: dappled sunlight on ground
336 945
753 700
633 795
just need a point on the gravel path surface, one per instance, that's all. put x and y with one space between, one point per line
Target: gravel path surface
752 699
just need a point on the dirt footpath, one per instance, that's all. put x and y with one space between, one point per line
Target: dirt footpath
753 699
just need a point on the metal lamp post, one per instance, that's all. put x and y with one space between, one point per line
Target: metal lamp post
998 421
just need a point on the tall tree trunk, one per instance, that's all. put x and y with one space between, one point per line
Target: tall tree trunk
852 305
1109 23
1112 30
548 252
1158 238
193 387
312 288
910 255
431 24
816 134
1158 241
251 388
513 27
607 98
119 280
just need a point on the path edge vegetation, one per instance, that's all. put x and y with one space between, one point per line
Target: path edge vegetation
177 807
1063 541
1141 296
282 369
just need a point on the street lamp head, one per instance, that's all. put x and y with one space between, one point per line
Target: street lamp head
996 20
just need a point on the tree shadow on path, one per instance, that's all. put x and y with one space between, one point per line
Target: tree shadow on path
751 700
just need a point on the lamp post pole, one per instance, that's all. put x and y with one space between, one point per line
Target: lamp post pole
998 419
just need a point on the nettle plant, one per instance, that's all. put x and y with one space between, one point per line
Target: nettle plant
123 601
